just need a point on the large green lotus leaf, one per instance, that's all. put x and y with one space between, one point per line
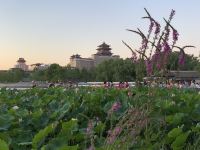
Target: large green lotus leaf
5 136
5 121
174 133
175 119
100 128
61 112
54 143
41 135
196 128
68 128
56 146
3 145
68 148
180 141
20 135
195 114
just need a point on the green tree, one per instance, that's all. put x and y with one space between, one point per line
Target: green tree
115 70
39 75
191 62
54 73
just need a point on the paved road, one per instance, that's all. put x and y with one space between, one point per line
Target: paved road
21 85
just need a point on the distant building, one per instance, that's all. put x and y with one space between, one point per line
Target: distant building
39 66
77 61
21 64
183 75
103 53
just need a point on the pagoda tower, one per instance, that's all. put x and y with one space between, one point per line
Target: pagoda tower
75 56
104 50
21 64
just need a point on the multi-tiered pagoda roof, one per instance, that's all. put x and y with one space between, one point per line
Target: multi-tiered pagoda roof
75 56
21 60
104 50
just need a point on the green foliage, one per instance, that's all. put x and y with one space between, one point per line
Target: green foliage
57 118
191 62
116 70
13 75
174 133
40 137
3 145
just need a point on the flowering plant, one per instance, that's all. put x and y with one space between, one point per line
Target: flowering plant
156 46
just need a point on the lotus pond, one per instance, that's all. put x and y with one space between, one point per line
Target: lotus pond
98 118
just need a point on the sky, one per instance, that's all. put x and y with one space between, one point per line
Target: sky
50 31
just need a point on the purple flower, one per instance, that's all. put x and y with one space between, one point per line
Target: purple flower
155 57
151 26
144 44
158 65
166 47
134 57
172 14
157 30
175 36
167 33
159 46
112 135
116 106
181 60
149 67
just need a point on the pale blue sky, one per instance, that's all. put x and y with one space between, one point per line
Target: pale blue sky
50 31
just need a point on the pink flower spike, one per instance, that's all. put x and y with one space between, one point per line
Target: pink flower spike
116 106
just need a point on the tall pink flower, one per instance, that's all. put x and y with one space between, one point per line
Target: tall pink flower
144 44
172 14
181 60
149 67
157 30
158 65
134 57
112 135
166 47
175 36
116 106
167 32
150 27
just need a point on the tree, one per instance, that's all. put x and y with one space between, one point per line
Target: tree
191 62
38 75
13 75
115 70
54 73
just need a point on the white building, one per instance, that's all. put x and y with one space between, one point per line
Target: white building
21 64
39 66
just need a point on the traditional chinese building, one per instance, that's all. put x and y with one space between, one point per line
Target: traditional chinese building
103 53
39 66
21 64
